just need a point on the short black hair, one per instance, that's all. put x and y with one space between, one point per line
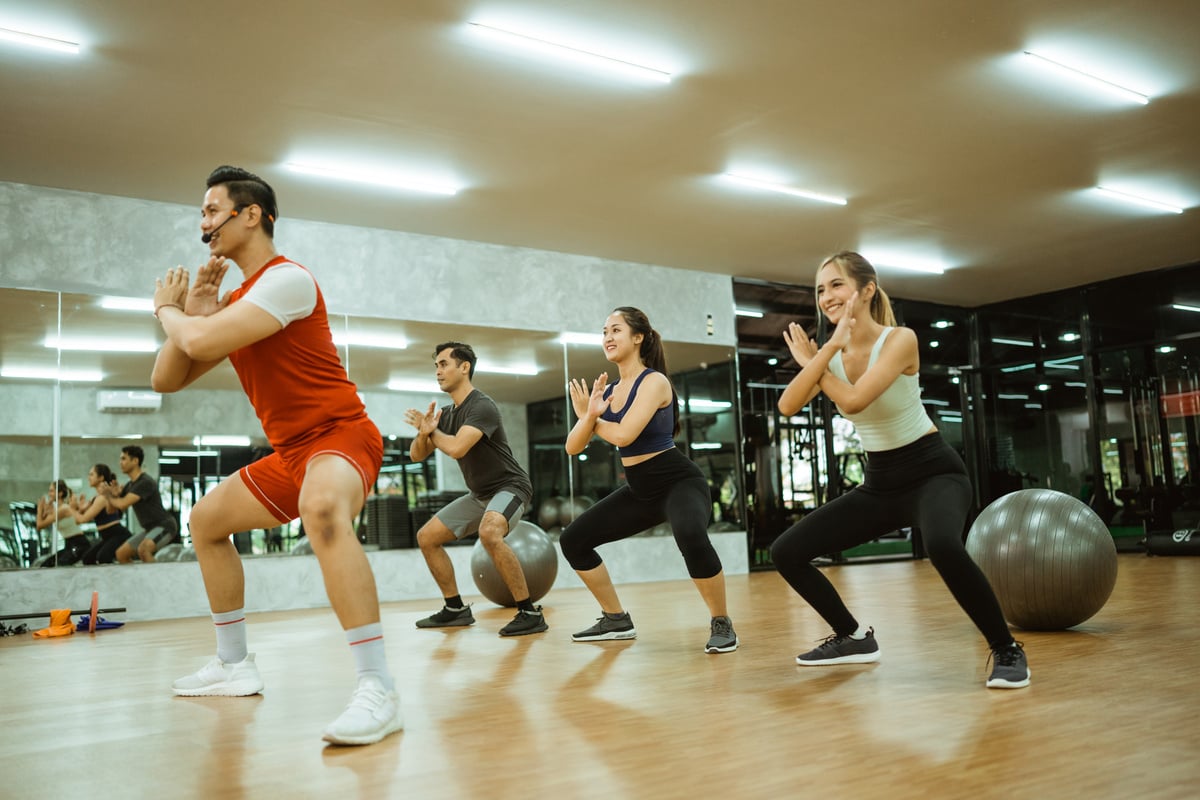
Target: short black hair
133 451
247 189
459 352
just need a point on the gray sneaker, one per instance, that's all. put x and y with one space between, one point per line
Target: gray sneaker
608 628
448 618
842 650
1009 668
723 639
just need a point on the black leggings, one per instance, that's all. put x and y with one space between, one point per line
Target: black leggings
666 488
73 549
105 550
923 484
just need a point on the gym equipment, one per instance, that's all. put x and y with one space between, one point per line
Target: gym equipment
537 556
1050 558
93 610
169 553
1184 542
548 513
569 509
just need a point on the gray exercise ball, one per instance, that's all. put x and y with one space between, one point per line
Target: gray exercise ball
569 509
536 555
1050 559
169 553
548 512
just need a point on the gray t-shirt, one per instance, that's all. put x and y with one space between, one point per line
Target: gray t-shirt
149 508
489 466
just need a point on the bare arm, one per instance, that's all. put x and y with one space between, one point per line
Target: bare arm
430 438
898 356
99 503
813 363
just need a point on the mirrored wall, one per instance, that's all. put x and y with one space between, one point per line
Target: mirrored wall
75 385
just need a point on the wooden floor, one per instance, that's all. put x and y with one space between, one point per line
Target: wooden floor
1113 712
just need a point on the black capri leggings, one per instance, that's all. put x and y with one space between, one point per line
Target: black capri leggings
923 484
105 550
668 487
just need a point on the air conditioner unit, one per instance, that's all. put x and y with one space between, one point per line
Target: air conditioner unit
118 401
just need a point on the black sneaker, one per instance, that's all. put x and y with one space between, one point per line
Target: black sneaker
723 639
1009 668
448 618
526 622
608 628
842 650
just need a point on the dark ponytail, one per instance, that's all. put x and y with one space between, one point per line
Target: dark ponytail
651 351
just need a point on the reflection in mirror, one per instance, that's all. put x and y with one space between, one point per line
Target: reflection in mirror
194 438
28 375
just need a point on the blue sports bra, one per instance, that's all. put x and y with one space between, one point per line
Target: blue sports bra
659 433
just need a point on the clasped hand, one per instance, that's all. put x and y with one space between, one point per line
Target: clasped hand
589 404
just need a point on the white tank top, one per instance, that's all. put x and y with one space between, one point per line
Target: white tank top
893 419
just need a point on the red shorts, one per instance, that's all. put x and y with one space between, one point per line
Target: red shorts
276 479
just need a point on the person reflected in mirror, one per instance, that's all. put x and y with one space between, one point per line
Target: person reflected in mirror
870 369
327 452
639 413
100 511
470 431
54 510
140 493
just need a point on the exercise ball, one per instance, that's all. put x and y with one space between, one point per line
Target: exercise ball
548 513
536 555
1050 559
570 509
169 553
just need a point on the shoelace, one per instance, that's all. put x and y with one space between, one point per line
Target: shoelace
367 696
722 627
1008 656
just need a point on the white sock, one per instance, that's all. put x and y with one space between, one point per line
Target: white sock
861 633
231 635
366 643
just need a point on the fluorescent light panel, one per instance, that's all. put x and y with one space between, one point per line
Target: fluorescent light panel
36 40
127 303
93 344
706 445
513 369
574 55
768 186
748 312
188 453
574 337
1136 200
906 263
1182 307
414 386
363 339
1091 80
375 178
53 374
221 441
1014 342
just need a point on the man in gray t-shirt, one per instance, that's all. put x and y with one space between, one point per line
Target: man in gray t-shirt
469 430
159 528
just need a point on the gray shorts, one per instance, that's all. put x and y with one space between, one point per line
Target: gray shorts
462 516
162 536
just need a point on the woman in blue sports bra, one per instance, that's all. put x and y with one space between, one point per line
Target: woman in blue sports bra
106 518
640 415
869 368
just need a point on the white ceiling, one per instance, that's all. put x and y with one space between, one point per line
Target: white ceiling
945 141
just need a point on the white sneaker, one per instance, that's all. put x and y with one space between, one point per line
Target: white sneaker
217 678
373 713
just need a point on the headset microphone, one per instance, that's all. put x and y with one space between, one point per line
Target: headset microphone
206 238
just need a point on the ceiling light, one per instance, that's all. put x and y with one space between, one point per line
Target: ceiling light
1070 336
1033 405
1043 387
706 405
221 441
906 263
53 374
572 337
942 324
34 40
415 386
1114 391
515 369
1018 368
1146 202
1003 396
772 361
748 312
1014 342
1182 307
376 178
769 186
363 339
706 445
101 344
1075 384
929 401
1164 349
1092 80
168 460
934 343
127 304
573 54
110 436
188 453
